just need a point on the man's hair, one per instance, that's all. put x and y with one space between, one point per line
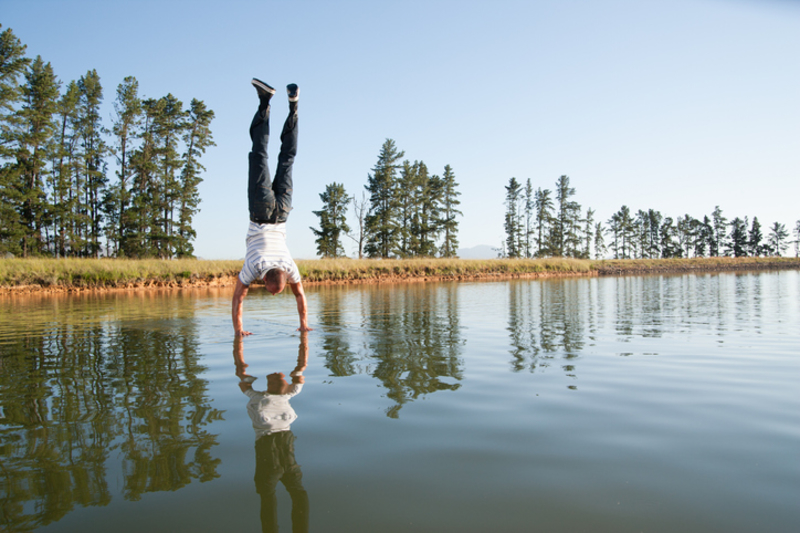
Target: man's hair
275 278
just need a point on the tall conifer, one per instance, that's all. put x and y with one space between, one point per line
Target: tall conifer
197 138
332 221
449 212
34 150
381 222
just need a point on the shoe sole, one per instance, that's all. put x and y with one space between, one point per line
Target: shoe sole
263 86
296 93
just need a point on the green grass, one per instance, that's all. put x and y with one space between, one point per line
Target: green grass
100 273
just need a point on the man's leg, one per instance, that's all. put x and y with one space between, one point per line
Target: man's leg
282 186
260 197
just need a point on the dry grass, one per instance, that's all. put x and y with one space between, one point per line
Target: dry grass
694 263
108 272
365 269
89 273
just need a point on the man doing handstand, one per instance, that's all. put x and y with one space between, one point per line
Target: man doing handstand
270 202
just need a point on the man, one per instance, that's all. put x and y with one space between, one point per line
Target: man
270 202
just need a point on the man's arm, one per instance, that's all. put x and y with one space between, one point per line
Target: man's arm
300 296
236 307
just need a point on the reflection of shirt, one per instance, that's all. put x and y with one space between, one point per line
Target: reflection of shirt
271 413
266 249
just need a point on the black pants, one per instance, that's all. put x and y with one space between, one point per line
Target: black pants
270 201
275 462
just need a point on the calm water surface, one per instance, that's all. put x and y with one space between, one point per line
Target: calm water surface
665 403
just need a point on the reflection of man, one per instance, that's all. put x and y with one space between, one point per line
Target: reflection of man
272 417
269 202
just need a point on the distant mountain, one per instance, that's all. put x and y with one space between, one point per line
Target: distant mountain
482 251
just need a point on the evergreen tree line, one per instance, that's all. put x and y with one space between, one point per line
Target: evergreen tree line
409 211
56 197
539 224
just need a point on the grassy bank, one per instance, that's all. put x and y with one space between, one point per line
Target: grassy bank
69 274
90 273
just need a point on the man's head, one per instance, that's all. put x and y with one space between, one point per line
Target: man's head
275 280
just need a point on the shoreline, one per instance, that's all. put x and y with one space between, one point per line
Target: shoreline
352 272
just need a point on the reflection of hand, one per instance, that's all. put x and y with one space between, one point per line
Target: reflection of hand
302 359
238 360
241 374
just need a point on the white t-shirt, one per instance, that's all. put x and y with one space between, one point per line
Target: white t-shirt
271 413
266 249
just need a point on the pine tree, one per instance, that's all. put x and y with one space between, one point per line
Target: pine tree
512 224
169 124
34 150
93 152
425 222
450 203
332 221
622 225
642 224
407 206
126 129
66 164
600 249
588 234
719 224
141 215
566 227
13 65
668 235
706 233
687 228
381 222
797 239
197 138
777 239
738 238
754 238
543 219
529 207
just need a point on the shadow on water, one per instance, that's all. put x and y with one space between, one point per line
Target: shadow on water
272 417
407 337
76 398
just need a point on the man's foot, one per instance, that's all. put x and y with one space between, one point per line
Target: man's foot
263 90
293 91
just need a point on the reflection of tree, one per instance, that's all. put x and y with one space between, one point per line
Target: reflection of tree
414 335
552 309
339 359
71 395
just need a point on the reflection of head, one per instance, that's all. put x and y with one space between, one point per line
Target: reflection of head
275 280
276 384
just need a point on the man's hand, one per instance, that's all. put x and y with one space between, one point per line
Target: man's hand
302 311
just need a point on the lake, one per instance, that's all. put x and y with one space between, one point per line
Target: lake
648 403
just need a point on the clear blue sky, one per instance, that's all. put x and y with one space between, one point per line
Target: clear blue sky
673 105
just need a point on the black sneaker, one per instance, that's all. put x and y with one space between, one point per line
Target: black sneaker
263 90
293 91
